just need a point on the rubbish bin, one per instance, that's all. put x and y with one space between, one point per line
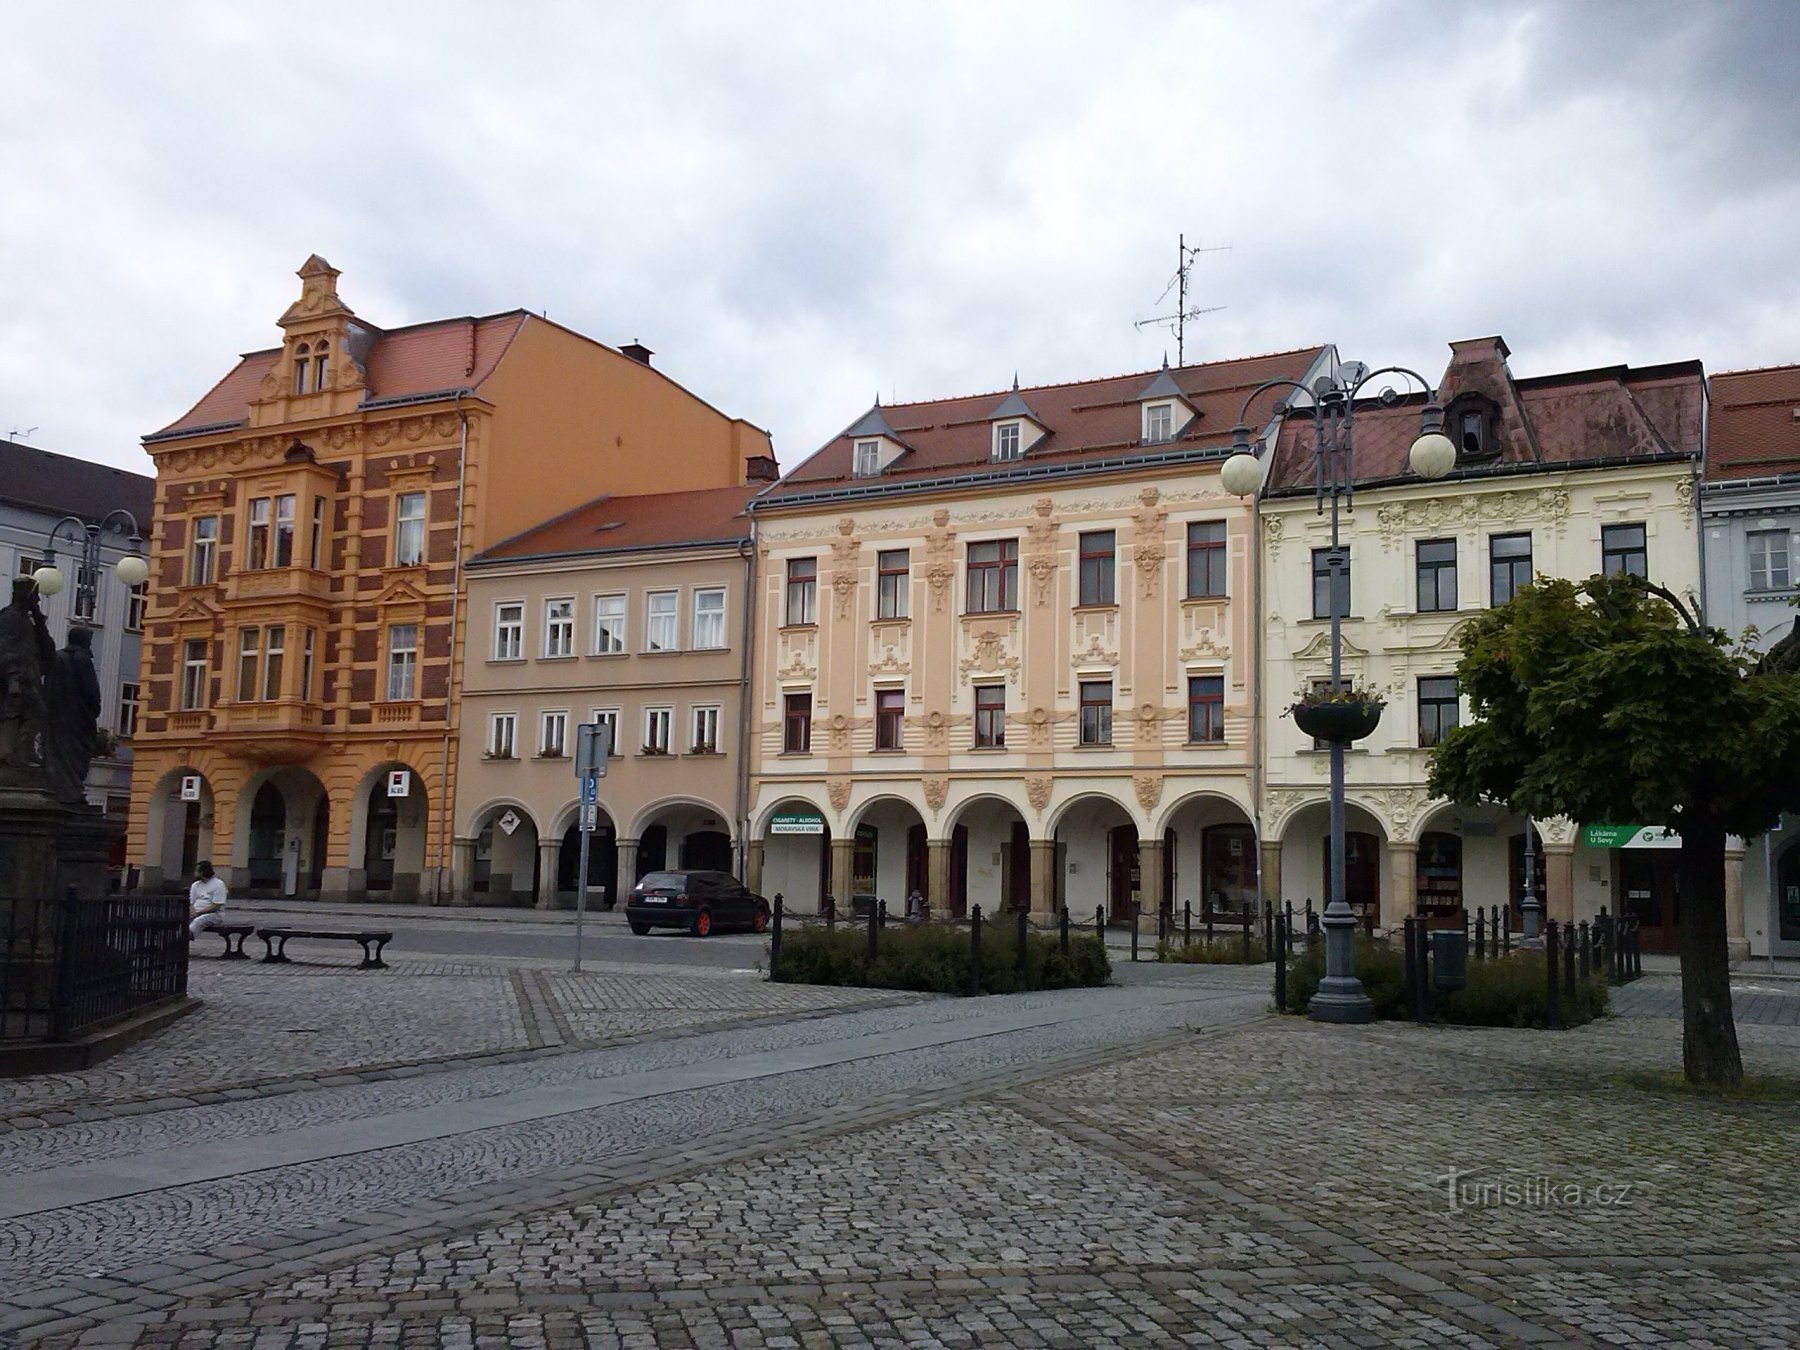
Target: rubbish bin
1449 960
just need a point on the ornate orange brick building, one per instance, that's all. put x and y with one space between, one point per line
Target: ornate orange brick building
314 513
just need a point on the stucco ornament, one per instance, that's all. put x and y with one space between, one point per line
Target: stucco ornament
1038 725
1205 646
838 790
1149 789
1037 792
843 587
936 790
990 657
1149 566
1096 653
1557 830
1042 570
1398 805
936 727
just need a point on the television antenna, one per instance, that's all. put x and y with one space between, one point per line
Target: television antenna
1179 284
15 433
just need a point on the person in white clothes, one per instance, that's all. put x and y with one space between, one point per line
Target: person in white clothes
206 901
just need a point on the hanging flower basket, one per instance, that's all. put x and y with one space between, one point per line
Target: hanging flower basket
1346 714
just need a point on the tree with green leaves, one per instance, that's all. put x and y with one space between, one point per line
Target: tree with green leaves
1606 700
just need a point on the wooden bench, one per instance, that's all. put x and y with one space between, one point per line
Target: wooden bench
234 949
275 942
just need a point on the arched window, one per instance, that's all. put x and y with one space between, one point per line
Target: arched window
300 362
321 365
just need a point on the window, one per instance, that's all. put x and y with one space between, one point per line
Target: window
1623 551
135 600
559 628
990 716
503 729
1205 559
891 577
553 735
509 630
868 458
403 661
1437 575
202 551
1096 712
709 619
274 649
86 605
705 738
660 628
609 719
1509 566
890 719
656 730
802 591
317 552
1206 708
609 625
1473 426
306 666
1437 708
284 531
128 710
409 529
1097 567
1322 588
993 576
1006 441
259 533
302 364
249 655
796 724
1159 423
321 365
1770 569
193 673
271 531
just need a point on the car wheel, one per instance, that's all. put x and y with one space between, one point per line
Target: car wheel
702 923
639 928
759 922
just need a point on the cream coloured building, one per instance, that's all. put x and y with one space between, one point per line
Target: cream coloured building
1559 475
628 611
1004 652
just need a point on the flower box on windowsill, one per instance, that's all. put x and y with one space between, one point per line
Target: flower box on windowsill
551 754
704 749
654 752
495 754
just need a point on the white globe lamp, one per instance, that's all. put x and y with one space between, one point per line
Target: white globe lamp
49 580
1433 455
132 570
1242 474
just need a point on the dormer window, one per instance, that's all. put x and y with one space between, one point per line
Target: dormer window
1159 423
1474 424
1471 439
301 362
868 458
1007 444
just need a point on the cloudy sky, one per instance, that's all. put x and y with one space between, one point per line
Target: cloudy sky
798 206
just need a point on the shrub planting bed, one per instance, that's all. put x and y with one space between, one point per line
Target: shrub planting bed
1224 951
934 959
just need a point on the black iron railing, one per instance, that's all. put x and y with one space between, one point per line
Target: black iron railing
68 964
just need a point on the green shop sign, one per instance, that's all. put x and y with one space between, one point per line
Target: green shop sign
796 822
1629 836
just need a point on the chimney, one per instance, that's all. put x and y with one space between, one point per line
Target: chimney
637 351
761 469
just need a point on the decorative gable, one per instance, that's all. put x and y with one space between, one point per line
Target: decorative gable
1165 412
323 353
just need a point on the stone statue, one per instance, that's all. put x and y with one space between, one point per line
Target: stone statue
26 650
72 693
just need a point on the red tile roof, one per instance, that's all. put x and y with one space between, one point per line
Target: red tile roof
1087 419
1755 426
1572 418
615 524
424 359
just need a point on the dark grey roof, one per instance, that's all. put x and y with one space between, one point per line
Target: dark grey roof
873 423
1162 387
1014 405
62 485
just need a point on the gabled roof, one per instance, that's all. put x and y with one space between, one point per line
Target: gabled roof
1754 430
872 423
645 522
1014 405
1571 419
1161 387
59 485
1085 420
426 358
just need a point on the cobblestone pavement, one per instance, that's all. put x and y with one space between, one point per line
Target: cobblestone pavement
1156 1164
1754 999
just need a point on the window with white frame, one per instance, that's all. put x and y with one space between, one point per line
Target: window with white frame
203 550
306 665
709 619
608 718
249 656
657 722
661 620
705 738
317 553
274 650
553 734
409 529
868 458
1770 568
1159 422
128 710
135 600
403 661
559 628
503 732
609 625
509 630
193 674
1007 441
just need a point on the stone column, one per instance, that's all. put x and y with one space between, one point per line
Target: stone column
753 867
937 877
1559 882
1735 942
1043 880
462 871
1399 885
626 876
843 857
1150 883
549 855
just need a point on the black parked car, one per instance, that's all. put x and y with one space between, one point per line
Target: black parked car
695 900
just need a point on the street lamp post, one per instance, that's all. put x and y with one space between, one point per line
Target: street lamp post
131 569
1332 406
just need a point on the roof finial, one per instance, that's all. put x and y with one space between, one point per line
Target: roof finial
878 398
1165 358
1015 382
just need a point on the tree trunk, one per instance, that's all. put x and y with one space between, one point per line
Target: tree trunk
1709 1045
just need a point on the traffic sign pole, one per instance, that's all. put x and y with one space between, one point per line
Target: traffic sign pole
590 767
